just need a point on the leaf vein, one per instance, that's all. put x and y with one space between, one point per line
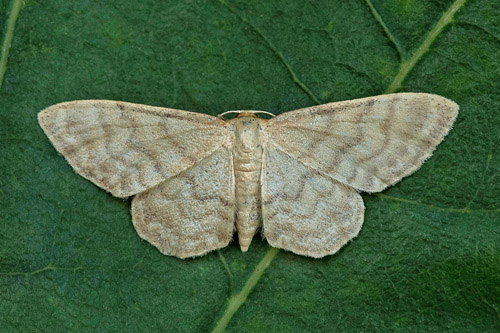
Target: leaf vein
228 271
273 48
406 66
9 35
237 300
480 28
42 270
464 210
388 32
481 183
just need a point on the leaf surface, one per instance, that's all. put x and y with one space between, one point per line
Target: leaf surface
428 256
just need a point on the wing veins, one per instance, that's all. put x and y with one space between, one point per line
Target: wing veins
323 133
304 164
322 172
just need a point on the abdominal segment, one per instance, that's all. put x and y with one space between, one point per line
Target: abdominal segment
248 208
247 171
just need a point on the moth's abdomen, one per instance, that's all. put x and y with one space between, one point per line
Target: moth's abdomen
247 169
248 206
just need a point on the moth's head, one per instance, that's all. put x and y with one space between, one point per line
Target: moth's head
245 113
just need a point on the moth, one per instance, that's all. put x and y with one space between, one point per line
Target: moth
197 178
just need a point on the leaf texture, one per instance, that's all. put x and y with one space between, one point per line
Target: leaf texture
428 256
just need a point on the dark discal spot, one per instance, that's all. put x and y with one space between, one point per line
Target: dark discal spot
354 175
124 186
158 168
368 183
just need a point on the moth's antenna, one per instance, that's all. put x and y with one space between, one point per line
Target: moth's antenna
243 111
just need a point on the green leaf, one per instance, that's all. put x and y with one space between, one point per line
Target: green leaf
428 256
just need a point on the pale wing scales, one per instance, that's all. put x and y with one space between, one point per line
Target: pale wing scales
368 143
304 211
191 213
127 148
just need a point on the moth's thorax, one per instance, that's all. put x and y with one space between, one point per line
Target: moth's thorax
247 139
247 156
